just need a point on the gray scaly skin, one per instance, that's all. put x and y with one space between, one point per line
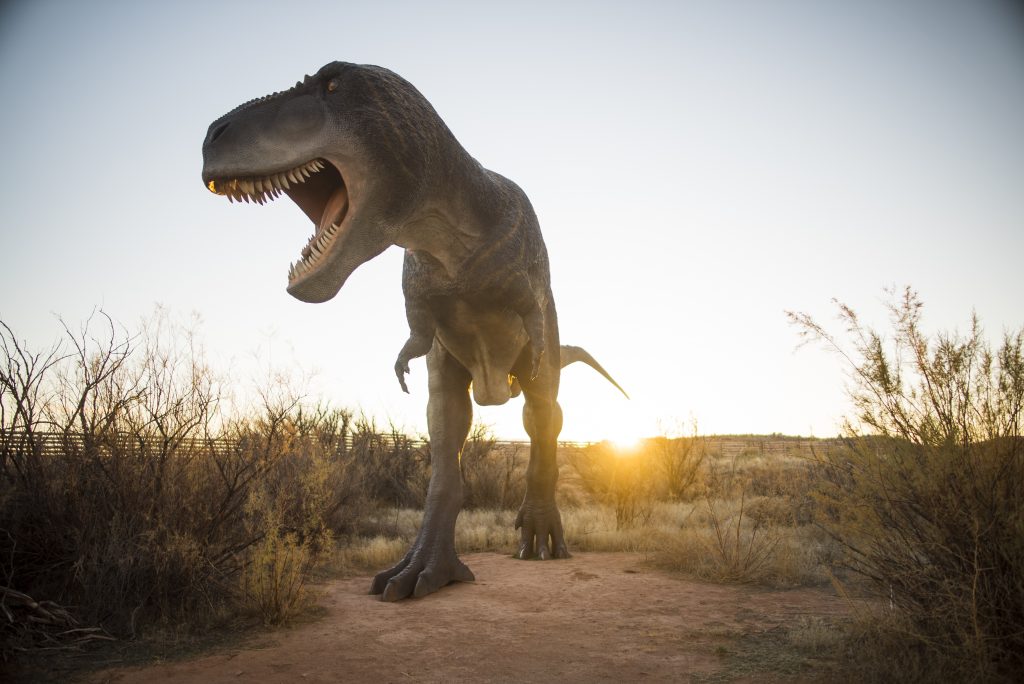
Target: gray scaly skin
369 161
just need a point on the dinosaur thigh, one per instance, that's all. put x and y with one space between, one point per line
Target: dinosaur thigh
487 341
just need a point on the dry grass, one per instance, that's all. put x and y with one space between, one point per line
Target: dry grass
364 554
695 507
676 536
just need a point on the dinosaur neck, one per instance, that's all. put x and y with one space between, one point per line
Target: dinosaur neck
452 224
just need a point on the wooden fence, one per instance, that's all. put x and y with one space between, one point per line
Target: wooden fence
56 443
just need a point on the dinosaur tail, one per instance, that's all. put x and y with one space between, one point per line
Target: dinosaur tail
571 354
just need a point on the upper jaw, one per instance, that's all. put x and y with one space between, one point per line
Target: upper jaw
263 187
319 188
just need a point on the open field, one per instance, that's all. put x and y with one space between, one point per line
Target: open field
139 514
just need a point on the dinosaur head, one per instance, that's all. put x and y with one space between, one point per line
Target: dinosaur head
329 144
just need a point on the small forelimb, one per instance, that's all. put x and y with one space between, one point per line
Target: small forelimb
415 347
421 335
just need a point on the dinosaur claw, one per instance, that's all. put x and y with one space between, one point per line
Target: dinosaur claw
535 371
401 369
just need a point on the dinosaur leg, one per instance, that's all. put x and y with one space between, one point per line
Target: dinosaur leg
431 561
523 301
538 521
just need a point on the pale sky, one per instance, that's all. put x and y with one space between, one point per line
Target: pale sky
697 168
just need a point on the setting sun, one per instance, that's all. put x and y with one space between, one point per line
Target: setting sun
626 446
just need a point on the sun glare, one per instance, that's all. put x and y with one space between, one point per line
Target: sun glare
625 428
626 446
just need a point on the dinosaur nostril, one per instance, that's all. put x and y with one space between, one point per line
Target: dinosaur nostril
217 131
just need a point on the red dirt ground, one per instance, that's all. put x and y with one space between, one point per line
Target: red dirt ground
598 617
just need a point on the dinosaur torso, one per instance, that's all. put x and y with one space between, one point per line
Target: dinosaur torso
479 304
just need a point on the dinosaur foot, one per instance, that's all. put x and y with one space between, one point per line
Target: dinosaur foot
540 532
421 572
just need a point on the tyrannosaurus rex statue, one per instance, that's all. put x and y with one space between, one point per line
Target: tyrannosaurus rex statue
369 161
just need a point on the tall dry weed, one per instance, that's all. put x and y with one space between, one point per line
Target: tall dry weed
926 496
741 545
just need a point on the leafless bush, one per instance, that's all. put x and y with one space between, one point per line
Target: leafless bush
681 461
742 544
393 469
926 497
492 477
127 492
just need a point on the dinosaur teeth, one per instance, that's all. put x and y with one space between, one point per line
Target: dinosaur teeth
263 189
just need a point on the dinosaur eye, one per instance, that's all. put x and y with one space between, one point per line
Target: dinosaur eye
332 85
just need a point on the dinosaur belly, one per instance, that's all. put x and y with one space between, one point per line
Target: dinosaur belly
487 343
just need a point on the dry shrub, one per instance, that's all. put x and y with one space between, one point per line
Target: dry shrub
290 532
273 583
741 545
628 484
393 467
681 462
493 476
926 497
128 493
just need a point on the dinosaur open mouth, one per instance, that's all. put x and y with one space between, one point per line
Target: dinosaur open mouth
317 187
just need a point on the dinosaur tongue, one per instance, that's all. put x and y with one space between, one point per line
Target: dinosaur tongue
334 210
334 214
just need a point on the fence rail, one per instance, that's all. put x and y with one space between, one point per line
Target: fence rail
56 443
59 442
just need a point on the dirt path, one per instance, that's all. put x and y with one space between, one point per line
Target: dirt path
595 618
